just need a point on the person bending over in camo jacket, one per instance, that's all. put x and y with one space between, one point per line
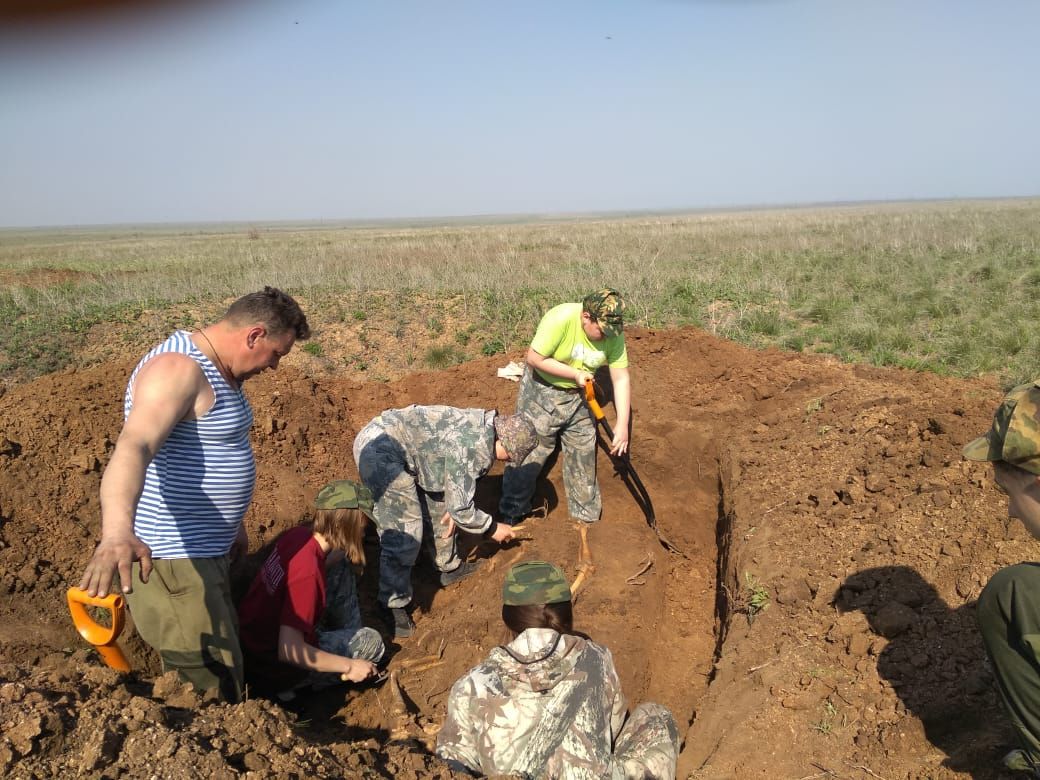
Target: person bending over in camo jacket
422 464
548 704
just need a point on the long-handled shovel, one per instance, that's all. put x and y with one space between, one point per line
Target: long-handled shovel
102 637
623 467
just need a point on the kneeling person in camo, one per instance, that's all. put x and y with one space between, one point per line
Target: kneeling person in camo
422 464
1008 609
300 622
549 702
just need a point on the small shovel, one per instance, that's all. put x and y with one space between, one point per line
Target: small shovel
635 483
103 638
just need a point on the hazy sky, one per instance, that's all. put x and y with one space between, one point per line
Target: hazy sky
351 110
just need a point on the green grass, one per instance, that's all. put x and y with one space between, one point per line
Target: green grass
444 356
947 287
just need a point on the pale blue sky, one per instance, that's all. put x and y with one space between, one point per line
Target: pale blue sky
357 110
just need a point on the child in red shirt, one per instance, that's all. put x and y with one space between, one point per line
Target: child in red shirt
300 622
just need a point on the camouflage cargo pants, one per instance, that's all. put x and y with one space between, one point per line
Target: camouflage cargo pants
555 414
648 745
405 515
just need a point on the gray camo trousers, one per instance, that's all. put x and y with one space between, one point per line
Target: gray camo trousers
555 414
404 515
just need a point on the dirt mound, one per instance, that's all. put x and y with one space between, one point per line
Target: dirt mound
818 623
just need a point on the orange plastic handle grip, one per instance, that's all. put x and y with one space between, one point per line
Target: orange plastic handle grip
102 637
590 398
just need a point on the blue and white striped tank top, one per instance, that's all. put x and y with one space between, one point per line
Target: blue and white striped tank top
200 483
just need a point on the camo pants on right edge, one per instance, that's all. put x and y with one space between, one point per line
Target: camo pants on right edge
1008 612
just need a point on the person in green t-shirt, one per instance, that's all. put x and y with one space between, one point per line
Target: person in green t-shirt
572 341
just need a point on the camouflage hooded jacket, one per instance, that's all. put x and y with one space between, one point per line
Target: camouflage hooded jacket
546 705
447 449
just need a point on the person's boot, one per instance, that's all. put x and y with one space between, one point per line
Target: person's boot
1021 761
399 622
453 576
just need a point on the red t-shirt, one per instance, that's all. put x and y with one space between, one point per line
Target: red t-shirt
289 590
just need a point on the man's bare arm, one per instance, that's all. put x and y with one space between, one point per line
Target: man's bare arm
166 391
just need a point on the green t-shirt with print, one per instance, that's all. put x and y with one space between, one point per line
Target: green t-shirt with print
561 336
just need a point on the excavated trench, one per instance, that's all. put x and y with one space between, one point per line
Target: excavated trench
740 460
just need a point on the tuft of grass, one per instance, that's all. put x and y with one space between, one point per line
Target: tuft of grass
492 347
444 356
756 597
313 348
812 406
825 725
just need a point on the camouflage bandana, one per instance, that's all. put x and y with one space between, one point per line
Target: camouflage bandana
345 494
607 308
1014 437
517 435
535 582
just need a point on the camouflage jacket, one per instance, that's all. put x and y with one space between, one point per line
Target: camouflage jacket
447 450
546 705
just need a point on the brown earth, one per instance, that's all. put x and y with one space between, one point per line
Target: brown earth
819 624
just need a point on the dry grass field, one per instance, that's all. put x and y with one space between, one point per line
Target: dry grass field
949 287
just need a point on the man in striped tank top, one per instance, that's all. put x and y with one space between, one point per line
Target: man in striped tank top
179 482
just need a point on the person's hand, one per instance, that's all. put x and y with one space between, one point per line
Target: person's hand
619 444
582 378
503 533
112 554
357 670
449 526
240 546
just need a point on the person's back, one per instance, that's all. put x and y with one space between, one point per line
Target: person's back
546 704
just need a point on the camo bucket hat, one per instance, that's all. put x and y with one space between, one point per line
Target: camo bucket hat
607 307
1014 436
345 494
535 582
517 435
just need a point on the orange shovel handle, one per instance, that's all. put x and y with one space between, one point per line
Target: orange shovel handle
102 637
590 399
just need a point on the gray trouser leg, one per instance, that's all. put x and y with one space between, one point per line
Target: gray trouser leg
442 551
579 468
